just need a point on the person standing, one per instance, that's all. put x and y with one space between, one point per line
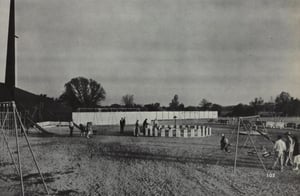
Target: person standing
290 149
296 162
155 124
82 130
136 131
71 127
279 149
296 154
124 123
89 129
145 124
224 143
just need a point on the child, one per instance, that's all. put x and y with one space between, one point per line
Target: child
71 127
279 149
82 130
224 143
89 129
296 162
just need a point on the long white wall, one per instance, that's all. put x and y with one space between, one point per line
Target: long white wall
113 118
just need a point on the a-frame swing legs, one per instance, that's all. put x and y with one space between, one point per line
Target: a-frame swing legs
18 149
240 122
259 158
14 126
7 145
34 159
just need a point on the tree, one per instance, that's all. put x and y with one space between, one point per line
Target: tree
152 107
115 105
294 107
205 105
83 92
242 110
175 105
257 104
128 100
192 108
282 98
180 107
282 103
217 107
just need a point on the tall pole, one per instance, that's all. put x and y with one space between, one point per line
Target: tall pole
10 58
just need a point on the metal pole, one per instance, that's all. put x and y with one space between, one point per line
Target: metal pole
18 148
34 159
236 146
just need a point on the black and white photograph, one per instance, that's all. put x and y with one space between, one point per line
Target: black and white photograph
149 97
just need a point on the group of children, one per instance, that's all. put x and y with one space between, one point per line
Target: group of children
85 131
287 151
137 130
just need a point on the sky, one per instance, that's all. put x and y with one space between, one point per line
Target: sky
227 51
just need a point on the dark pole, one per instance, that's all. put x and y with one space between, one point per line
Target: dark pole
10 58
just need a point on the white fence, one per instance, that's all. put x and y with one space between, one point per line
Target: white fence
113 118
168 131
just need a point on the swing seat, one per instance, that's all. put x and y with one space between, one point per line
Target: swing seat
251 133
252 152
266 154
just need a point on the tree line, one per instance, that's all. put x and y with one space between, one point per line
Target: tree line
81 92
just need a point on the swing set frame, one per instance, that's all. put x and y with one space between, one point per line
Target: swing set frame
244 122
11 123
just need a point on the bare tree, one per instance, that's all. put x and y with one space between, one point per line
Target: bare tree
128 100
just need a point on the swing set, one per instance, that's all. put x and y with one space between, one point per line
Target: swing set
247 126
12 126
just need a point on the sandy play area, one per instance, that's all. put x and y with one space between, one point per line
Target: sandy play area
113 164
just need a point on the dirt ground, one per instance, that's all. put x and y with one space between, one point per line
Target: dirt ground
114 164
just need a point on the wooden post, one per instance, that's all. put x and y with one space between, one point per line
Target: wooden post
155 131
170 132
162 132
192 132
199 131
178 132
151 131
185 133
